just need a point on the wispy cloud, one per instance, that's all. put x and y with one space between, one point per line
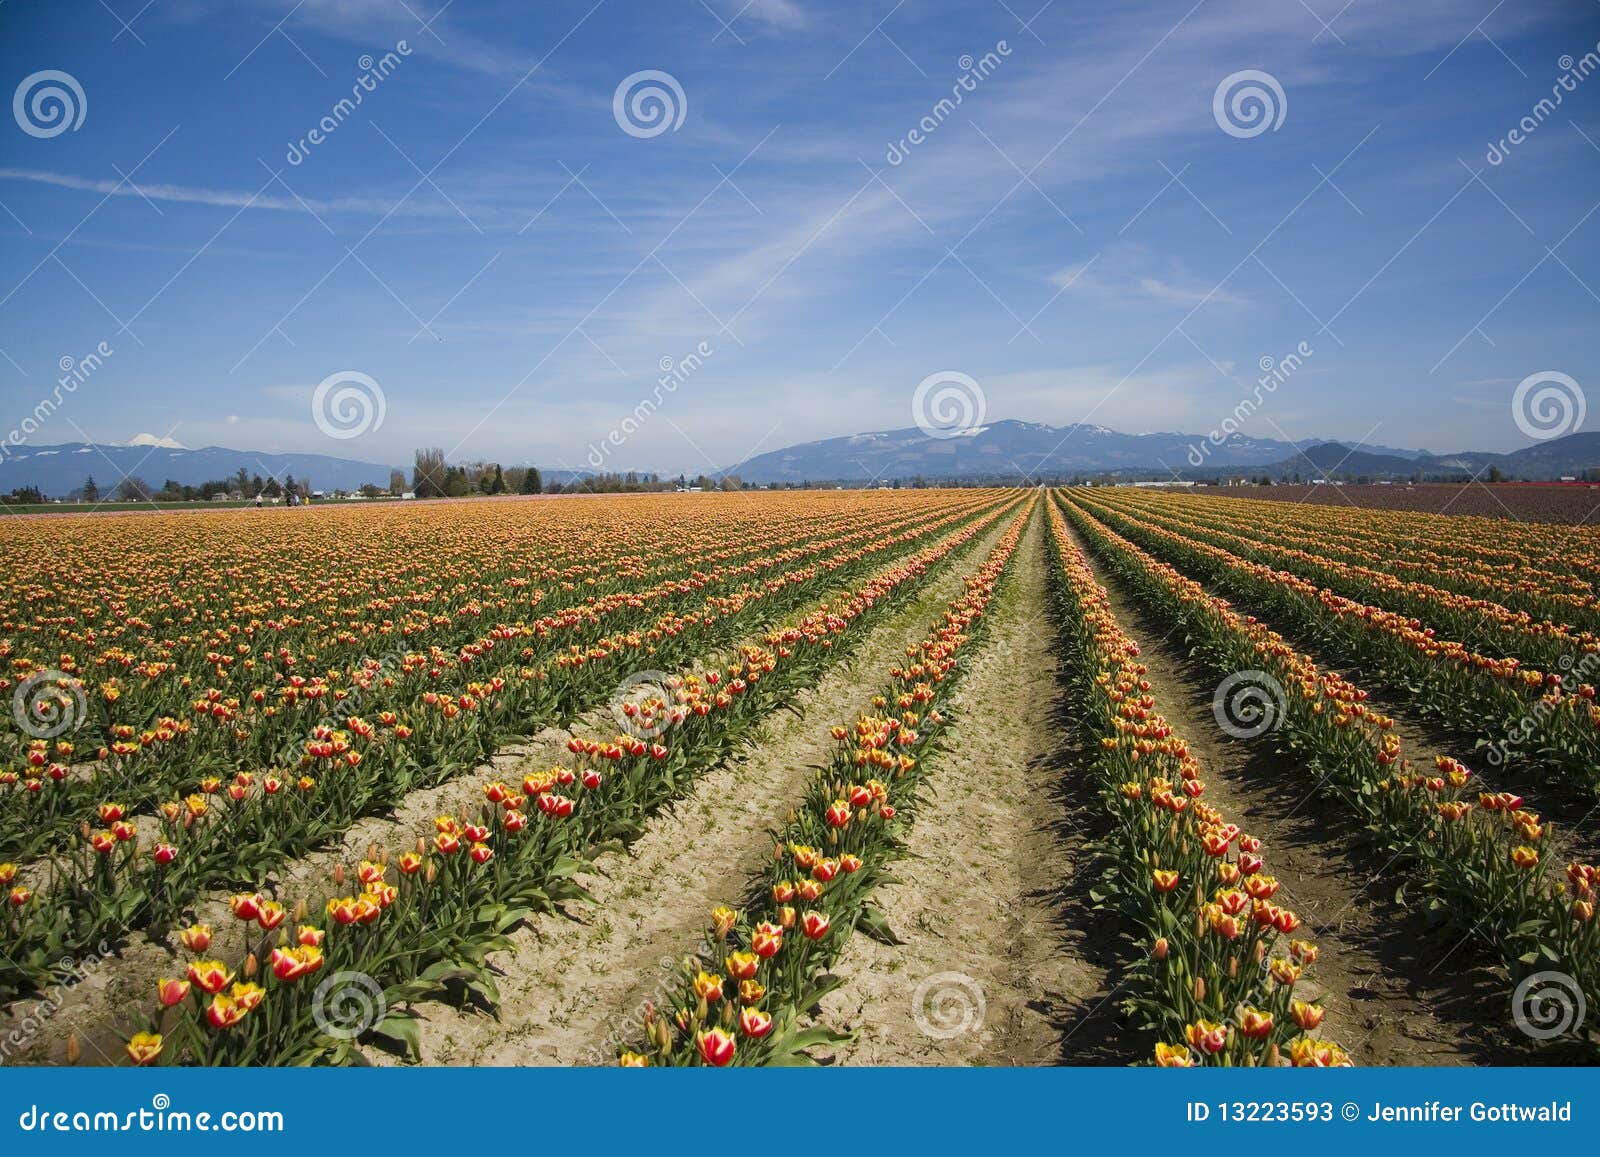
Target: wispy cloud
223 198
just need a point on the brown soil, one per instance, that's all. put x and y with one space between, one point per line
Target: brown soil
1384 1004
993 967
1575 504
573 984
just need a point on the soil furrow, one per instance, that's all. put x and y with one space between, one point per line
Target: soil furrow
993 966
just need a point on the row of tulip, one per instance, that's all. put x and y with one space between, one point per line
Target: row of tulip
520 669
422 923
1477 861
238 832
747 1007
1545 569
1547 720
1497 629
148 612
1211 983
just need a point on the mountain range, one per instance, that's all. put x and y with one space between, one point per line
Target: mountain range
60 470
1013 449
1004 450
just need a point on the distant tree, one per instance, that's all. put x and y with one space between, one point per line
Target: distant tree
133 490
1496 474
498 486
397 482
531 482
272 489
429 473
368 490
91 490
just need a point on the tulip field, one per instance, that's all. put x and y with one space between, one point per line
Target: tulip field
645 780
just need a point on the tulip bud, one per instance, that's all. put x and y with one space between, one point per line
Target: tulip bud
1200 988
300 911
74 1050
338 875
1161 948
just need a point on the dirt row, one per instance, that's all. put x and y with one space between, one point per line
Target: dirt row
995 967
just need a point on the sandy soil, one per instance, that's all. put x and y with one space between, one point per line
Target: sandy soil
991 969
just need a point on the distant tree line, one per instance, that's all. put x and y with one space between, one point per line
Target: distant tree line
434 476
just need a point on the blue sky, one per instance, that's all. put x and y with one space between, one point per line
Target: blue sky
1081 236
